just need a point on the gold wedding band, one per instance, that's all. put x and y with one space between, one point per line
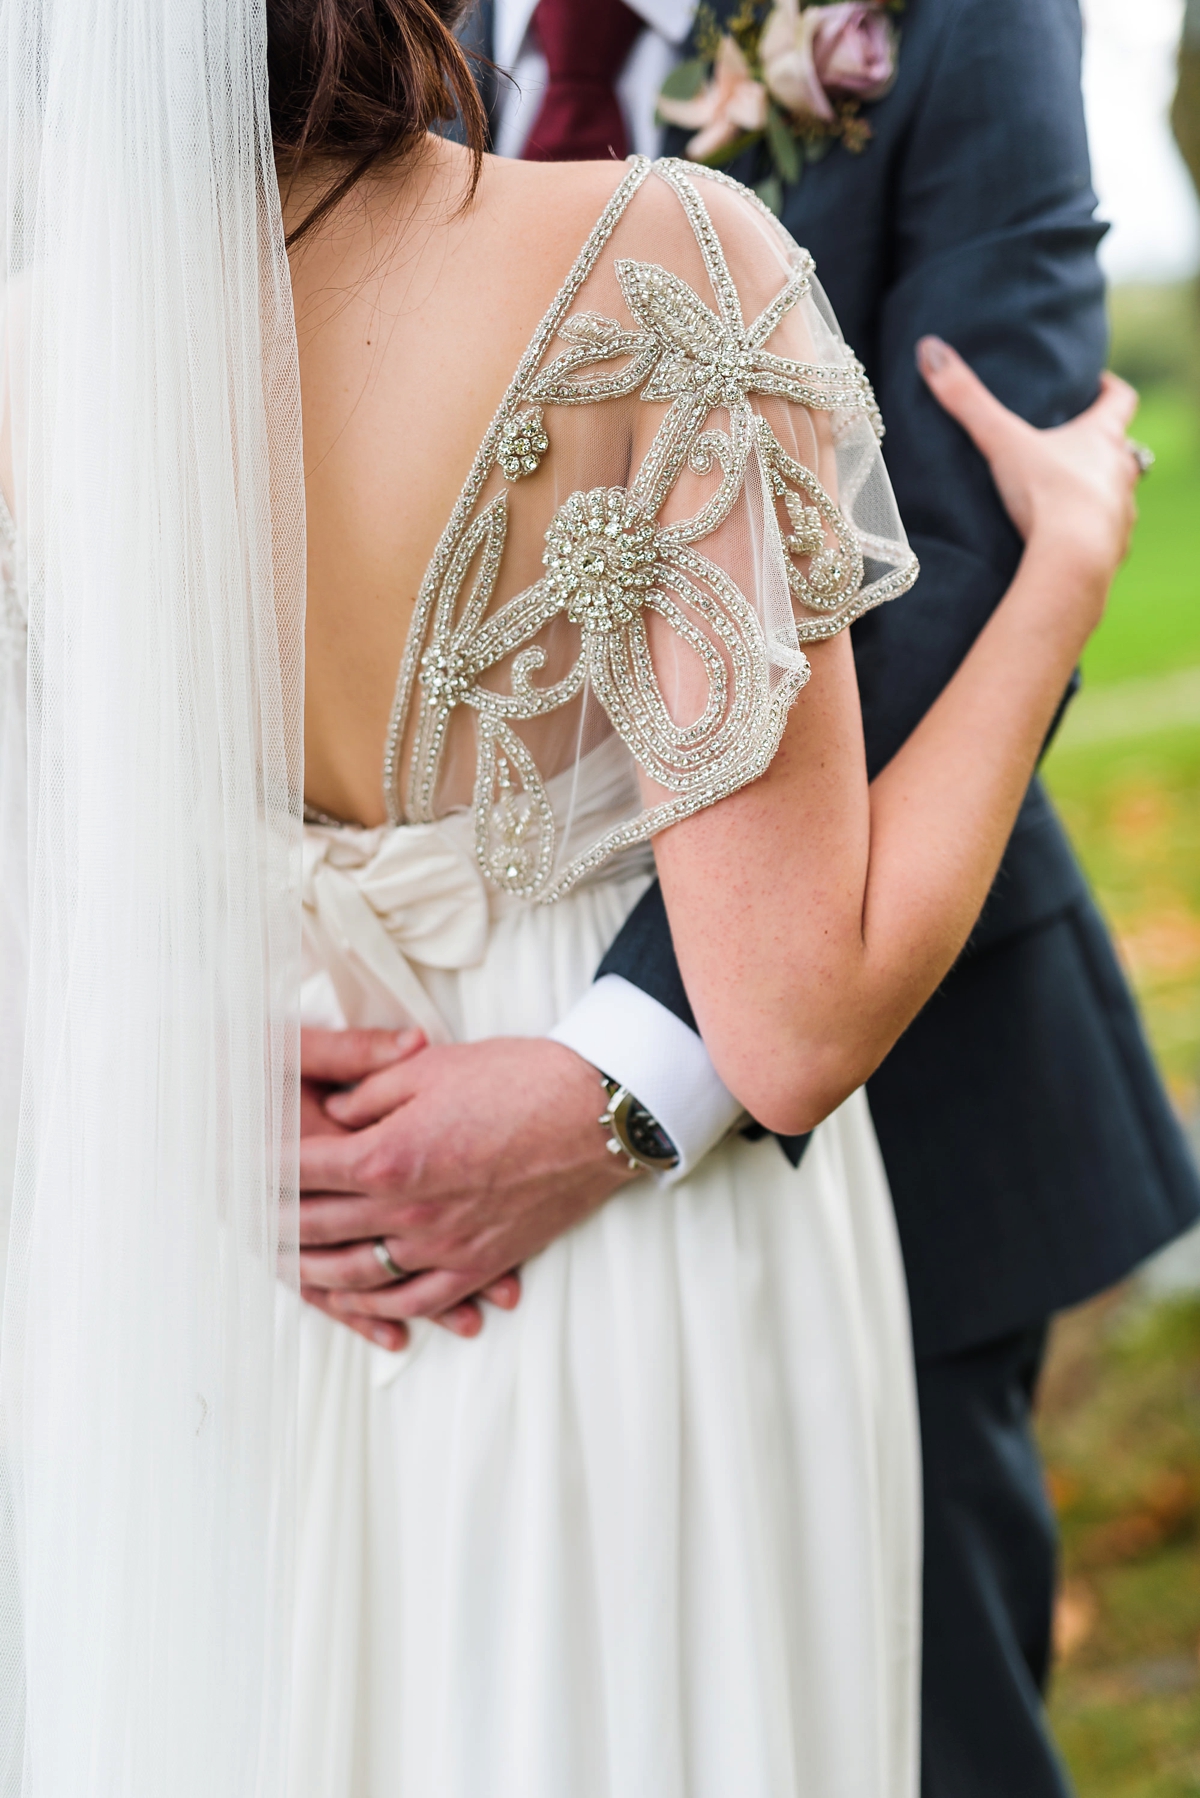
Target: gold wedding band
383 1256
1142 454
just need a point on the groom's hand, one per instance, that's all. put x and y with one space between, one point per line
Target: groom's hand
466 1160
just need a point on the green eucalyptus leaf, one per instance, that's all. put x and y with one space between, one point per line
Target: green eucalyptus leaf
685 80
731 152
770 192
817 149
785 151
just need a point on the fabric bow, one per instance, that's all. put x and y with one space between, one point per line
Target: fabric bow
385 899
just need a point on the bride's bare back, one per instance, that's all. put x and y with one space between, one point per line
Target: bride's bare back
412 313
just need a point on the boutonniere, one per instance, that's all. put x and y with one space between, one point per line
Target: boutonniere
792 76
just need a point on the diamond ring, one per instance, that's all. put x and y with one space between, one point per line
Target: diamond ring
385 1261
1142 454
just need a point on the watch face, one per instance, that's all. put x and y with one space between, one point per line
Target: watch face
636 1132
647 1137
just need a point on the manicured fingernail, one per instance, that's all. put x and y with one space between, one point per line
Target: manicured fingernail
932 355
335 1105
384 1337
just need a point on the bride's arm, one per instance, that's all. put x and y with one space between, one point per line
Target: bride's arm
813 915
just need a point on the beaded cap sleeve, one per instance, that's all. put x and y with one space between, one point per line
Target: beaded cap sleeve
682 486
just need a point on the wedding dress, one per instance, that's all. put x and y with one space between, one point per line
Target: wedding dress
655 1533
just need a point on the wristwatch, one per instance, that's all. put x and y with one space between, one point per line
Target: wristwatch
636 1132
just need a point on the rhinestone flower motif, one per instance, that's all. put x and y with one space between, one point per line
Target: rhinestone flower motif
602 558
523 443
723 374
447 676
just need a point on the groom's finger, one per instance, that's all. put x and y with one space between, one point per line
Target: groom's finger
339 1057
958 388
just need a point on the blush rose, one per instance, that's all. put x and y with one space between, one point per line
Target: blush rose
824 53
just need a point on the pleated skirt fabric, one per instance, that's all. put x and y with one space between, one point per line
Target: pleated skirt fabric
654 1534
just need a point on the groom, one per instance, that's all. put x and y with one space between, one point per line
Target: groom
1032 1156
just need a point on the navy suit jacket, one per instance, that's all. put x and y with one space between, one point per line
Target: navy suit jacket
1032 1154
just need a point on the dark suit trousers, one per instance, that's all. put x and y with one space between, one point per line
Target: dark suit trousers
990 1553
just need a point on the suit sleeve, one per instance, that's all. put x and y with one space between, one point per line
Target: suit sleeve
994 249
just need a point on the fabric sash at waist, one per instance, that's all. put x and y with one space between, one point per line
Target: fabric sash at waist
384 900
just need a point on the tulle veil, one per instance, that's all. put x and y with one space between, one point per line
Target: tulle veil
150 683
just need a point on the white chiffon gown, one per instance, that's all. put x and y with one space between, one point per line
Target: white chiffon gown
655 1533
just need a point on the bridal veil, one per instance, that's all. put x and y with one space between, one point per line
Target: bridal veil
149 880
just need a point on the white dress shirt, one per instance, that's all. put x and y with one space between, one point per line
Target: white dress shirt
616 1026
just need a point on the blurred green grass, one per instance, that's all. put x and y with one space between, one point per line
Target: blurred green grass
1153 619
1119 1415
1127 778
1132 807
1120 1428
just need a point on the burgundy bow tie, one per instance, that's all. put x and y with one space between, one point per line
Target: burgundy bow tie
586 44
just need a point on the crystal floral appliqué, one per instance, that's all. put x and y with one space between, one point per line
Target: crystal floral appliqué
447 676
523 443
601 558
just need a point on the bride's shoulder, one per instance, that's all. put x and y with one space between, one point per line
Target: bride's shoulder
665 210
508 182
546 208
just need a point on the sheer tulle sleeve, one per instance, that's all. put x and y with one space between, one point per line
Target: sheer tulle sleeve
682 487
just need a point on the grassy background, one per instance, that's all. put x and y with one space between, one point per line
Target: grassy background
1120 1423
1120 1405
1127 777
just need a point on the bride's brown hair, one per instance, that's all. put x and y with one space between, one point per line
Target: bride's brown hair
359 82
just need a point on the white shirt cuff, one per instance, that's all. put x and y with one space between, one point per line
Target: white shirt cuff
633 1039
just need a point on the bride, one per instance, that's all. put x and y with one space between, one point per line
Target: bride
593 488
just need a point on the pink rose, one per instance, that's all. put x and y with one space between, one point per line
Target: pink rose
732 104
847 51
855 51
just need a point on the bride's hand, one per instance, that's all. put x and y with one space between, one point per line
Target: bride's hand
1070 489
344 1057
